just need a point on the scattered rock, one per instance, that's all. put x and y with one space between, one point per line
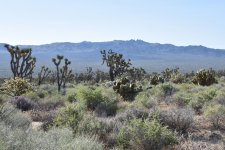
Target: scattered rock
36 125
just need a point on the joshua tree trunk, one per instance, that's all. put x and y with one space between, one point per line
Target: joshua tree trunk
111 74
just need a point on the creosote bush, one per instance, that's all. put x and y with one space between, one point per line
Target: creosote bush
94 99
146 135
15 87
71 98
146 100
201 98
89 97
164 90
70 116
181 99
81 123
168 89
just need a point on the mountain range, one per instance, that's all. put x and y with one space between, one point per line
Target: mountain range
150 56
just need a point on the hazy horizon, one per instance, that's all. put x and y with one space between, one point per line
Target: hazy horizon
110 41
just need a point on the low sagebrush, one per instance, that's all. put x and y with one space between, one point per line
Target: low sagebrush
179 119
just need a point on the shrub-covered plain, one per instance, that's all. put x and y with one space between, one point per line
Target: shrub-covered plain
135 110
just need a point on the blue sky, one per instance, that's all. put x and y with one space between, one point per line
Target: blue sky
179 22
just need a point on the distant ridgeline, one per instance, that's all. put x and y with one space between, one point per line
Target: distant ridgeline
153 57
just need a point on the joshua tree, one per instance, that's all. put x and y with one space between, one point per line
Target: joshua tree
116 63
22 63
89 73
100 76
137 73
62 73
44 73
53 77
156 79
67 76
168 73
204 77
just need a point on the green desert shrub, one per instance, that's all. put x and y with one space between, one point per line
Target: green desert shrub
186 86
114 124
41 93
71 98
145 134
89 97
197 103
71 94
95 100
145 100
181 98
209 94
215 113
80 122
106 108
69 116
166 89
32 95
201 98
15 87
179 119
109 107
